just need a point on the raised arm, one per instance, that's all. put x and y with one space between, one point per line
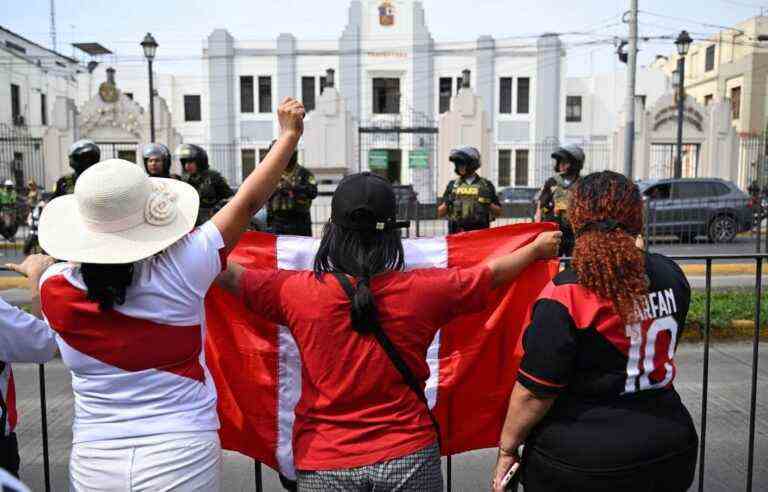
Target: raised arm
233 219
507 267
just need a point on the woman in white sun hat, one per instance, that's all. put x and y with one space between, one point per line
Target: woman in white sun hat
127 314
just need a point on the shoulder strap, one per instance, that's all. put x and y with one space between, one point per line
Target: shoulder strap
394 356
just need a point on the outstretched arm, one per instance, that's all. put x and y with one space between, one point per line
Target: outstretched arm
229 279
233 219
24 337
507 267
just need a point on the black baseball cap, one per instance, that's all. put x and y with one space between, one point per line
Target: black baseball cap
365 202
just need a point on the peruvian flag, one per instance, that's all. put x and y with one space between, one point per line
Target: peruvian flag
473 360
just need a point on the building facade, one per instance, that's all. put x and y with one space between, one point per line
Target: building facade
732 67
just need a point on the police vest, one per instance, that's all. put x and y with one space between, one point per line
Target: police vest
285 199
470 203
561 196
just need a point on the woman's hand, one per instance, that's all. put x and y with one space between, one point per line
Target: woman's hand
32 267
290 115
504 462
547 244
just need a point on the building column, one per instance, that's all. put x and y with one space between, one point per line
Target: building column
286 66
548 85
221 87
349 60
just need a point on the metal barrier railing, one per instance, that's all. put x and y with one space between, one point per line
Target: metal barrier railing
706 329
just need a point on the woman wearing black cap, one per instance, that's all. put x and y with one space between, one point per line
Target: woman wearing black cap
362 420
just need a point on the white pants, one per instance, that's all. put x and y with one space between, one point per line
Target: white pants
164 462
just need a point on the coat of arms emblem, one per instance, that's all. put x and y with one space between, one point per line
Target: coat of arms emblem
386 13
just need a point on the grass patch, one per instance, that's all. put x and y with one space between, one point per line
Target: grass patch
732 315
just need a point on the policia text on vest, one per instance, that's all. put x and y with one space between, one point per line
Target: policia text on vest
470 204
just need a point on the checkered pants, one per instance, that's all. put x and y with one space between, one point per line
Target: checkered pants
419 471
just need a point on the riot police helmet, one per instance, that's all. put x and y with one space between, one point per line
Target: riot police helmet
160 151
83 154
572 154
465 156
8 183
192 153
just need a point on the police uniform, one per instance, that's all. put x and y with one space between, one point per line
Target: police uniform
65 185
617 422
555 200
288 207
469 203
212 188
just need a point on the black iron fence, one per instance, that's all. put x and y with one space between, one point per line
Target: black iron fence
755 405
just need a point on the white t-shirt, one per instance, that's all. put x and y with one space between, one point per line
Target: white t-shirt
139 369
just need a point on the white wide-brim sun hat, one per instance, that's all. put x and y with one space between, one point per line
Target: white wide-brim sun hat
117 215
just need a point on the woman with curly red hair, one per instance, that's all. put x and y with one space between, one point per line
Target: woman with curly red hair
594 404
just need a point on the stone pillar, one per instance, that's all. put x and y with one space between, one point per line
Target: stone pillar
328 137
221 87
286 66
57 139
465 124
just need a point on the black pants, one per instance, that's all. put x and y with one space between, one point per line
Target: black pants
9 454
674 474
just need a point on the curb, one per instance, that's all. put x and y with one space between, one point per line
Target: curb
13 283
698 270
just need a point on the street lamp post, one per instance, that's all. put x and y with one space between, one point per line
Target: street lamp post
683 42
150 47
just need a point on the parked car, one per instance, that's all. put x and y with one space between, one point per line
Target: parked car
693 207
518 201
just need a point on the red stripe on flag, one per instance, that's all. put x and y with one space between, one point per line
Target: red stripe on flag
479 357
242 356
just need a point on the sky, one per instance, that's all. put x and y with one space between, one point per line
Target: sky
180 26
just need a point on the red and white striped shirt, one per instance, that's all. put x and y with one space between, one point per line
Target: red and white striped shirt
139 369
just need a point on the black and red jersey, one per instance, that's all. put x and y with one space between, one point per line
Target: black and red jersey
616 406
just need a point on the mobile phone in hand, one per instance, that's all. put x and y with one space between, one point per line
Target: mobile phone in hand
507 480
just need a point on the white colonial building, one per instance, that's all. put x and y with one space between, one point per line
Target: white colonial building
384 95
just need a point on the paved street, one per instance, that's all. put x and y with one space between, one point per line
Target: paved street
730 370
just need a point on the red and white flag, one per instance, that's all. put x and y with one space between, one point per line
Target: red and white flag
473 360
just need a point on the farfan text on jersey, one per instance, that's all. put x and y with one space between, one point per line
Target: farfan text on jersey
657 304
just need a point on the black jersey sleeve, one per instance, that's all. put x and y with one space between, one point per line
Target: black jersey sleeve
550 349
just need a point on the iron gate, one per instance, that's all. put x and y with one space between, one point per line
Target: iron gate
662 163
404 154
21 156
128 151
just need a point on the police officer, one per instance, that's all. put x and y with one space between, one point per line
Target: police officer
157 161
555 196
82 155
288 207
8 210
470 202
210 185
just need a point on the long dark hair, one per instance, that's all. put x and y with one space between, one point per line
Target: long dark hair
107 284
361 254
607 215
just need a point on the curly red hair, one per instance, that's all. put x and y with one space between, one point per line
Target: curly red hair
607 214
